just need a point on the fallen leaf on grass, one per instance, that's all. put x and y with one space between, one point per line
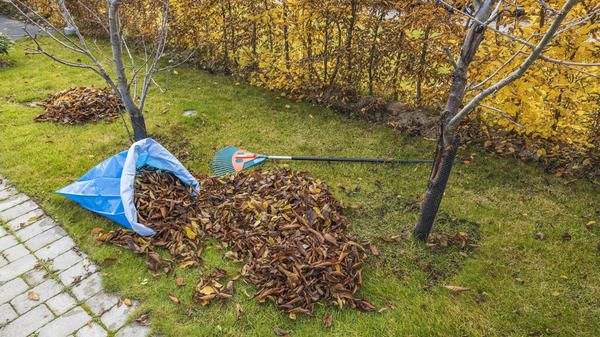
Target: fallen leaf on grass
280 332
384 309
374 249
127 302
143 319
174 299
457 289
354 205
180 282
555 293
539 236
32 295
326 319
566 236
186 263
109 260
97 230
239 311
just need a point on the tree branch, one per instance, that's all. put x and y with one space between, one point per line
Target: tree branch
522 68
504 114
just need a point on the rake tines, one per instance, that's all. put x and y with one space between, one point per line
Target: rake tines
222 162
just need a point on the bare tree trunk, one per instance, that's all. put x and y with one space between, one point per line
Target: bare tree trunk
373 49
422 64
448 141
440 172
286 45
137 119
350 32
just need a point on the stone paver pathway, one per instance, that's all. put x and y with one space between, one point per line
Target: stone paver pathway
48 287
16 29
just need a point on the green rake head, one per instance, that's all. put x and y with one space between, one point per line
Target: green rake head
229 160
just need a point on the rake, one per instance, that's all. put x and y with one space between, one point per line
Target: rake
231 159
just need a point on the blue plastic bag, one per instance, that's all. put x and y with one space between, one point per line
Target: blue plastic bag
107 189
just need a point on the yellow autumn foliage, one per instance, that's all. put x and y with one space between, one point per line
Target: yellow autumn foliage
326 50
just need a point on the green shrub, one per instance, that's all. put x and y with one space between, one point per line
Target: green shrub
4 43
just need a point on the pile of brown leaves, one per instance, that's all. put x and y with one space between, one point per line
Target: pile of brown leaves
286 226
81 105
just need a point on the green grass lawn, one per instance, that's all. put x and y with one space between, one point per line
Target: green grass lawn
501 202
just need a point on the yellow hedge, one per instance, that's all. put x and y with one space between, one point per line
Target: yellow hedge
342 49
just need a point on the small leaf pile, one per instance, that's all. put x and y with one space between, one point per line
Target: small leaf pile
285 226
81 105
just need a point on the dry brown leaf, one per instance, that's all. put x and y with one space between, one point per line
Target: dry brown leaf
373 249
239 311
327 320
174 299
180 282
127 302
280 332
457 289
86 264
32 295
97 230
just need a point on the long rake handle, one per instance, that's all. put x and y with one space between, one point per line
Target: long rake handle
370 160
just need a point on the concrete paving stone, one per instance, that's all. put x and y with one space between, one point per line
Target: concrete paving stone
61 303
95 331
18 210
12 289
67 276
36 276
65 324
88 287
66 260
133 329
7 242
3 261
16 268
45 290
45 238
25 219
16 252
13 201
35 228
7 314
55 248
3 232
28 323
101 302
7 192
117 316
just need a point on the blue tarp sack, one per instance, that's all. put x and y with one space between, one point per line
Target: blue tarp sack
107 189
